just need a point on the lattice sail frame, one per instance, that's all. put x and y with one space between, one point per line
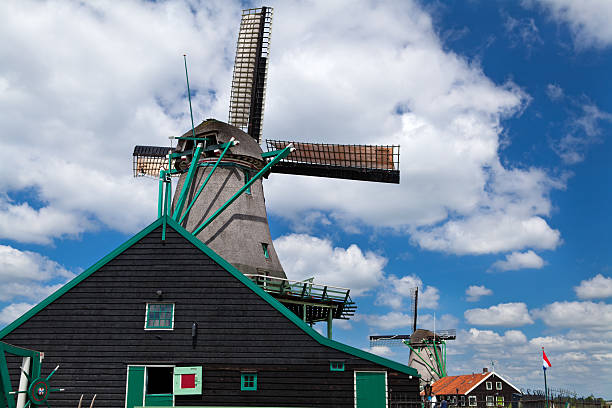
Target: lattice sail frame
248 91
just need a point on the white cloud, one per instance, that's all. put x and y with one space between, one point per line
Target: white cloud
489 337
13 311
29 275
598 287
554 92
447 118
522 33
590 315
519 260
398 320
383 351
397 290
503 314
475 292
306 256
584 131
82 83
589 21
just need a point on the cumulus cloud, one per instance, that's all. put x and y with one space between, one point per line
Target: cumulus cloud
73 106
598 287
306 256
503 314
475 292
398 320
449 114
589 21
383 351
589 315
489 337
29 275
519 260
13 311
397 290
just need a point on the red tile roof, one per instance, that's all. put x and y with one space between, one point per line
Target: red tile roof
449 385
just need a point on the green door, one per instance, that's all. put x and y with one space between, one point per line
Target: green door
370 389
135 387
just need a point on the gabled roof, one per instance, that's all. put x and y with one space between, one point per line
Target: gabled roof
463 383
168 222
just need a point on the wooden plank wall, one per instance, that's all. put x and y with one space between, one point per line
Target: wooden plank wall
96 330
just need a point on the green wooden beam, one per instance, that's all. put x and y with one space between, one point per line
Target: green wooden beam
187 184
229 144
160 199
261 172
212 148
272 153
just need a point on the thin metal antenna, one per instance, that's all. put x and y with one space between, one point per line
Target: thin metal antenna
189 94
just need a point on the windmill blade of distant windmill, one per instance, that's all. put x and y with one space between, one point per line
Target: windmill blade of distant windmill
250 71
149 160
352 162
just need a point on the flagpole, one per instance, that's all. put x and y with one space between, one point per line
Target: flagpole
545 386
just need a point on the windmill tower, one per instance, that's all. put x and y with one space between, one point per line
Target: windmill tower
427 348
219 196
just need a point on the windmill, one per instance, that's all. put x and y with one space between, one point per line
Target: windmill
427 348
219 195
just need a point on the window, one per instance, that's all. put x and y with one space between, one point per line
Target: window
248 382
500 401
160 316
247 178
264 246
472 400
489 385
187 380
463 400
158 386
454 399
490 401
336 366
498 385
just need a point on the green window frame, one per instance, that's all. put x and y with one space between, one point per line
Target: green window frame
248 381
159 316
266 253
336 366
247 178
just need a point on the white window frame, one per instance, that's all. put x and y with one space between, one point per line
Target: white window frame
462 400
472 398
146 319
498 385
489 385
490 400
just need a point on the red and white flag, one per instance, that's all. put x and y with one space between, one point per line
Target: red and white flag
545 363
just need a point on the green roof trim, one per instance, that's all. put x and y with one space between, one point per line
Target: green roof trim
228 267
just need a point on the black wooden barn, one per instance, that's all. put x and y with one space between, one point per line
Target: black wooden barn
164 321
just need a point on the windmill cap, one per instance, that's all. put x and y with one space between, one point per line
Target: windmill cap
246 147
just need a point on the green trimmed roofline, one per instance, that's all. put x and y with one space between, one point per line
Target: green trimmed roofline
228 267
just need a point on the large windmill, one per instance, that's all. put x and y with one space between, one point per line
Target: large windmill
427 348
219 196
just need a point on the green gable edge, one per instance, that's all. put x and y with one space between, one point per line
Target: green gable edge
228 267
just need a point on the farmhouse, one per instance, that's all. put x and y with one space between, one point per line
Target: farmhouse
487 389
165 321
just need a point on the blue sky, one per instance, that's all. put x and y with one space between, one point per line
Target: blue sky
502 110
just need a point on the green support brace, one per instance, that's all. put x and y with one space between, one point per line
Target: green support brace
330 317
5 382
229 144
160 199
422 359
284 153
187 184
435 349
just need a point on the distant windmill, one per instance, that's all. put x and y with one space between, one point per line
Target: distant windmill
219 196
427 348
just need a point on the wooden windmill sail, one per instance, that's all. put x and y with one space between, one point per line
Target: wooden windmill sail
219 196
